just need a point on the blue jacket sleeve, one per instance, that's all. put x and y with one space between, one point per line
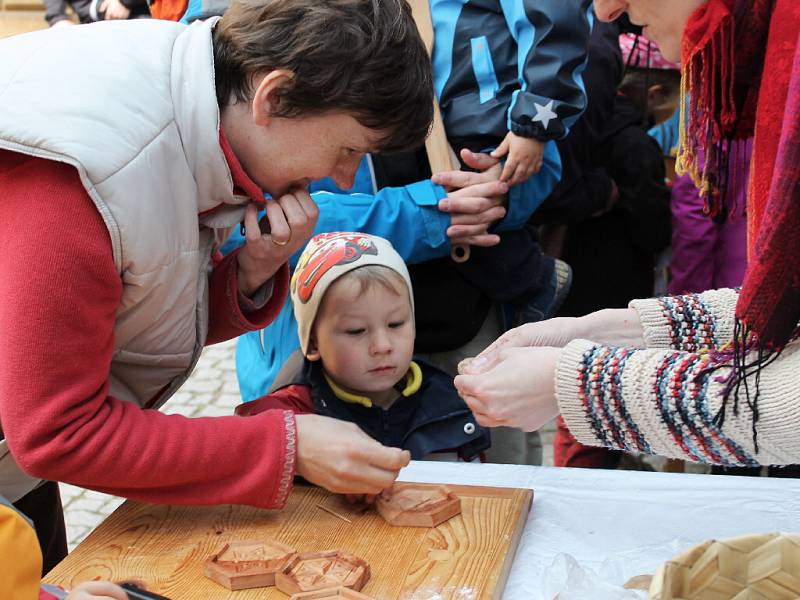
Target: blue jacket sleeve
407 216
552 39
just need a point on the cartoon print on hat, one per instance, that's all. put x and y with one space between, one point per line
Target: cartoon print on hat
329 250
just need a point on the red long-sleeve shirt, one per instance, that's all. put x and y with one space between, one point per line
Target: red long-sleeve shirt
59 292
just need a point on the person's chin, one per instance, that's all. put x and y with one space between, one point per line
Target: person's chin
671 49
670 46
287 188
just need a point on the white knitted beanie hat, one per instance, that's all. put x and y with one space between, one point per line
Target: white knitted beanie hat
327 257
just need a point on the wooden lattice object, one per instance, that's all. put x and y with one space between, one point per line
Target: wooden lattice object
751 567
418 505
247 564
314 571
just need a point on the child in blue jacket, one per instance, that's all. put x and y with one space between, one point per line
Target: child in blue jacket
507 75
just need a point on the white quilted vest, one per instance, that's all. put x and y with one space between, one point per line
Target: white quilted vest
132 105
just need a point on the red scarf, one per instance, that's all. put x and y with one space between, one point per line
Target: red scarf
727 45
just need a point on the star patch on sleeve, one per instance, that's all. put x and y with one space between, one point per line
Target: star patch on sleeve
544 114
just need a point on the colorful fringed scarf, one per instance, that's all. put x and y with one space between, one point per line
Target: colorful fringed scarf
723 51
741 62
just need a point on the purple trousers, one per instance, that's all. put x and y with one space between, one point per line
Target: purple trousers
705 255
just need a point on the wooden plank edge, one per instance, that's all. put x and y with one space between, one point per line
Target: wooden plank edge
505 569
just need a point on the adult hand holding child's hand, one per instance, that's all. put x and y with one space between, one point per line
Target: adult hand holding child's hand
290 221
340 457
475 200
512 382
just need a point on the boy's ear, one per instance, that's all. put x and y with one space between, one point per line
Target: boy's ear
655 93
268 94
311 352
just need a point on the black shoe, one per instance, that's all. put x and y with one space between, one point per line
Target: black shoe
547 302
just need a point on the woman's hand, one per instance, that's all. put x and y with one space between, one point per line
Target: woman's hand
340 457
290 222
517 390
512 382
613 327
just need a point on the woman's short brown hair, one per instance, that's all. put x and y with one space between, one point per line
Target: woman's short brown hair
362 57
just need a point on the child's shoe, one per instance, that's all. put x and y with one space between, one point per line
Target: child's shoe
546 303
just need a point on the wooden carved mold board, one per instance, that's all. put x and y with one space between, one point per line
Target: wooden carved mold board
466 558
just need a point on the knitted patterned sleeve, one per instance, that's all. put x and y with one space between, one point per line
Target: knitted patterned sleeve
670 402
692 322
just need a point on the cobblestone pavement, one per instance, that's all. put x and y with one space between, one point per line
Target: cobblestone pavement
211 391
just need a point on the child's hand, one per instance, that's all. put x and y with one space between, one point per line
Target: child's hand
97 590
524 157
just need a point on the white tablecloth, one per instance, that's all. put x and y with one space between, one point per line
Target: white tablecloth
622 522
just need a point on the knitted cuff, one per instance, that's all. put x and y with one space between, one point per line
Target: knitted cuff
568 391
693 322
657 333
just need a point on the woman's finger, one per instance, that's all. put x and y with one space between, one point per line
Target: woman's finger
97 590
466 204
252 230
485 240
465 231
484 189
279 228
485 218
480 161
294 213
457 179
308 205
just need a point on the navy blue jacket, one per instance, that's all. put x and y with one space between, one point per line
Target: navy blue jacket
433 419
510 65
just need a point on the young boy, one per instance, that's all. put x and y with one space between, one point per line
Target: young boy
355 319
508 78
117 197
